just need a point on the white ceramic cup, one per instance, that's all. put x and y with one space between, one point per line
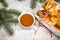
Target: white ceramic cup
22 15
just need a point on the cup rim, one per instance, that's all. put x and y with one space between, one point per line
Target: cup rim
23 14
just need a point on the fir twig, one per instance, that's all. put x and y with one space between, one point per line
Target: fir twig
57 1
41 1
20 0
13 11
11 20
33 3
6 16
4 3
8 28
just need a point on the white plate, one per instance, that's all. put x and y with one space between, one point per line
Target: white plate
48 26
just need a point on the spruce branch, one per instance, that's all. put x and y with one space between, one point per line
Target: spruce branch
6 16
4 3
0 25
8 28
10 11
11 20
41 1
13 11
57 1
20 0
33 3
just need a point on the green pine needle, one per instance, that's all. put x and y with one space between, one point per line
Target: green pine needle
33 3
57 1
8 28
13 11
4 3
6 17
11 20
20 0
10 11
41 1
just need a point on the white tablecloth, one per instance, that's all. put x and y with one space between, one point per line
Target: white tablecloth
26 34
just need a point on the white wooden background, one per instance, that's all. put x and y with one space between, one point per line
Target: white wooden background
25 34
